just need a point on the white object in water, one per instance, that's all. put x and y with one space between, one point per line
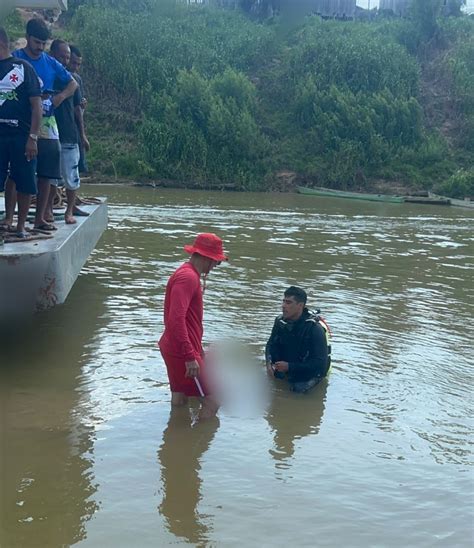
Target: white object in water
198 384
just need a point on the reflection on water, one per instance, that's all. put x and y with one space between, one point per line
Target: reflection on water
184 443
47 479
287 428
380 454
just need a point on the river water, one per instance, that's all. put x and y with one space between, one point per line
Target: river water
379 455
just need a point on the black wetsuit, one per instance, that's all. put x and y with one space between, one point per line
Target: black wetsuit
302 344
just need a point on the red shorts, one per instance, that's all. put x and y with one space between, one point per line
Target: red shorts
176 368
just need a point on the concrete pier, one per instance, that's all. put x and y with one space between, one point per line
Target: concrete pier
39 274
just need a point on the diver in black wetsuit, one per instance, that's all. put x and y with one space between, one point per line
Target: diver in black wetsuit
299 346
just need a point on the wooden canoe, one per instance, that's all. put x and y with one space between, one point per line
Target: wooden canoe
331 193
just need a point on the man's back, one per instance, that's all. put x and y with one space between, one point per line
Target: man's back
18 83
183 314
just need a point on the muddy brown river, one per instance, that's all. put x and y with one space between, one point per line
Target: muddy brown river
379 455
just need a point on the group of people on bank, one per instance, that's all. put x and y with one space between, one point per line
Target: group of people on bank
298 350
42 134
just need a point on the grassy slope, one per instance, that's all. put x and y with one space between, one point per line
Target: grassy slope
114 122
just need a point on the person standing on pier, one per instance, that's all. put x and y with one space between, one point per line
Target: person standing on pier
69 135
49 151
20 119
181 342
74 66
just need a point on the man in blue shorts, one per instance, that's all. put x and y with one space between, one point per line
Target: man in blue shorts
49 151
20 119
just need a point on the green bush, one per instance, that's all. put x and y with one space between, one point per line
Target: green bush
13 24
141 54
459 64
211 96
205 130
425 15
459 185
354 57
347 99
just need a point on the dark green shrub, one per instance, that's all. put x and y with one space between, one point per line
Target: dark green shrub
12 23
205 130
211 96
459 185
459 64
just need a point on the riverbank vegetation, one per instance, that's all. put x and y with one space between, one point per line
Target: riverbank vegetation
217 99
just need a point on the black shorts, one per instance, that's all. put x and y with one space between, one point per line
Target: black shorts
13 163
49 159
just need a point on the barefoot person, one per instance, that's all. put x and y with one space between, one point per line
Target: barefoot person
49 151
75 64
74 67
20 119
181 342
69 136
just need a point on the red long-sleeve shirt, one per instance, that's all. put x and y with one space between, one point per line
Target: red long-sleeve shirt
183 314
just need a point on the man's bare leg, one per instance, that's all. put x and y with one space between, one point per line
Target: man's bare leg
71 203
209 408
49 213
10 202
79 212
42 202
24 201
178 399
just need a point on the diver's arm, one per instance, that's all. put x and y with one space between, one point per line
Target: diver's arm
270 349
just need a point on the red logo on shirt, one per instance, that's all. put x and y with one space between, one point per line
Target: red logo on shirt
14 77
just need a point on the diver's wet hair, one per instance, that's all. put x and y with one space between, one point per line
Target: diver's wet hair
298 294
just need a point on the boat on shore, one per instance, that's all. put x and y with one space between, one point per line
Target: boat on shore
428 200
331 193
468 203
38 274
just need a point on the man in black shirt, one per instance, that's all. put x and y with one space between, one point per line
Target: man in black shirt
299 345
75 64
70 134
20 119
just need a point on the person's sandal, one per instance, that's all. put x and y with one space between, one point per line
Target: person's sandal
45 227
23 235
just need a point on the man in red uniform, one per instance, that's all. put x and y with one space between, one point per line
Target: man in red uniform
181 342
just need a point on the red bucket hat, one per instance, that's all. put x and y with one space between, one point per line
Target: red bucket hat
208 245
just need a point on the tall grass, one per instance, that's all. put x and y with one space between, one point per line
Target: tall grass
213 97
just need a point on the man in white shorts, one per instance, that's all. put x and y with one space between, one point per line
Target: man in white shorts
68 136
